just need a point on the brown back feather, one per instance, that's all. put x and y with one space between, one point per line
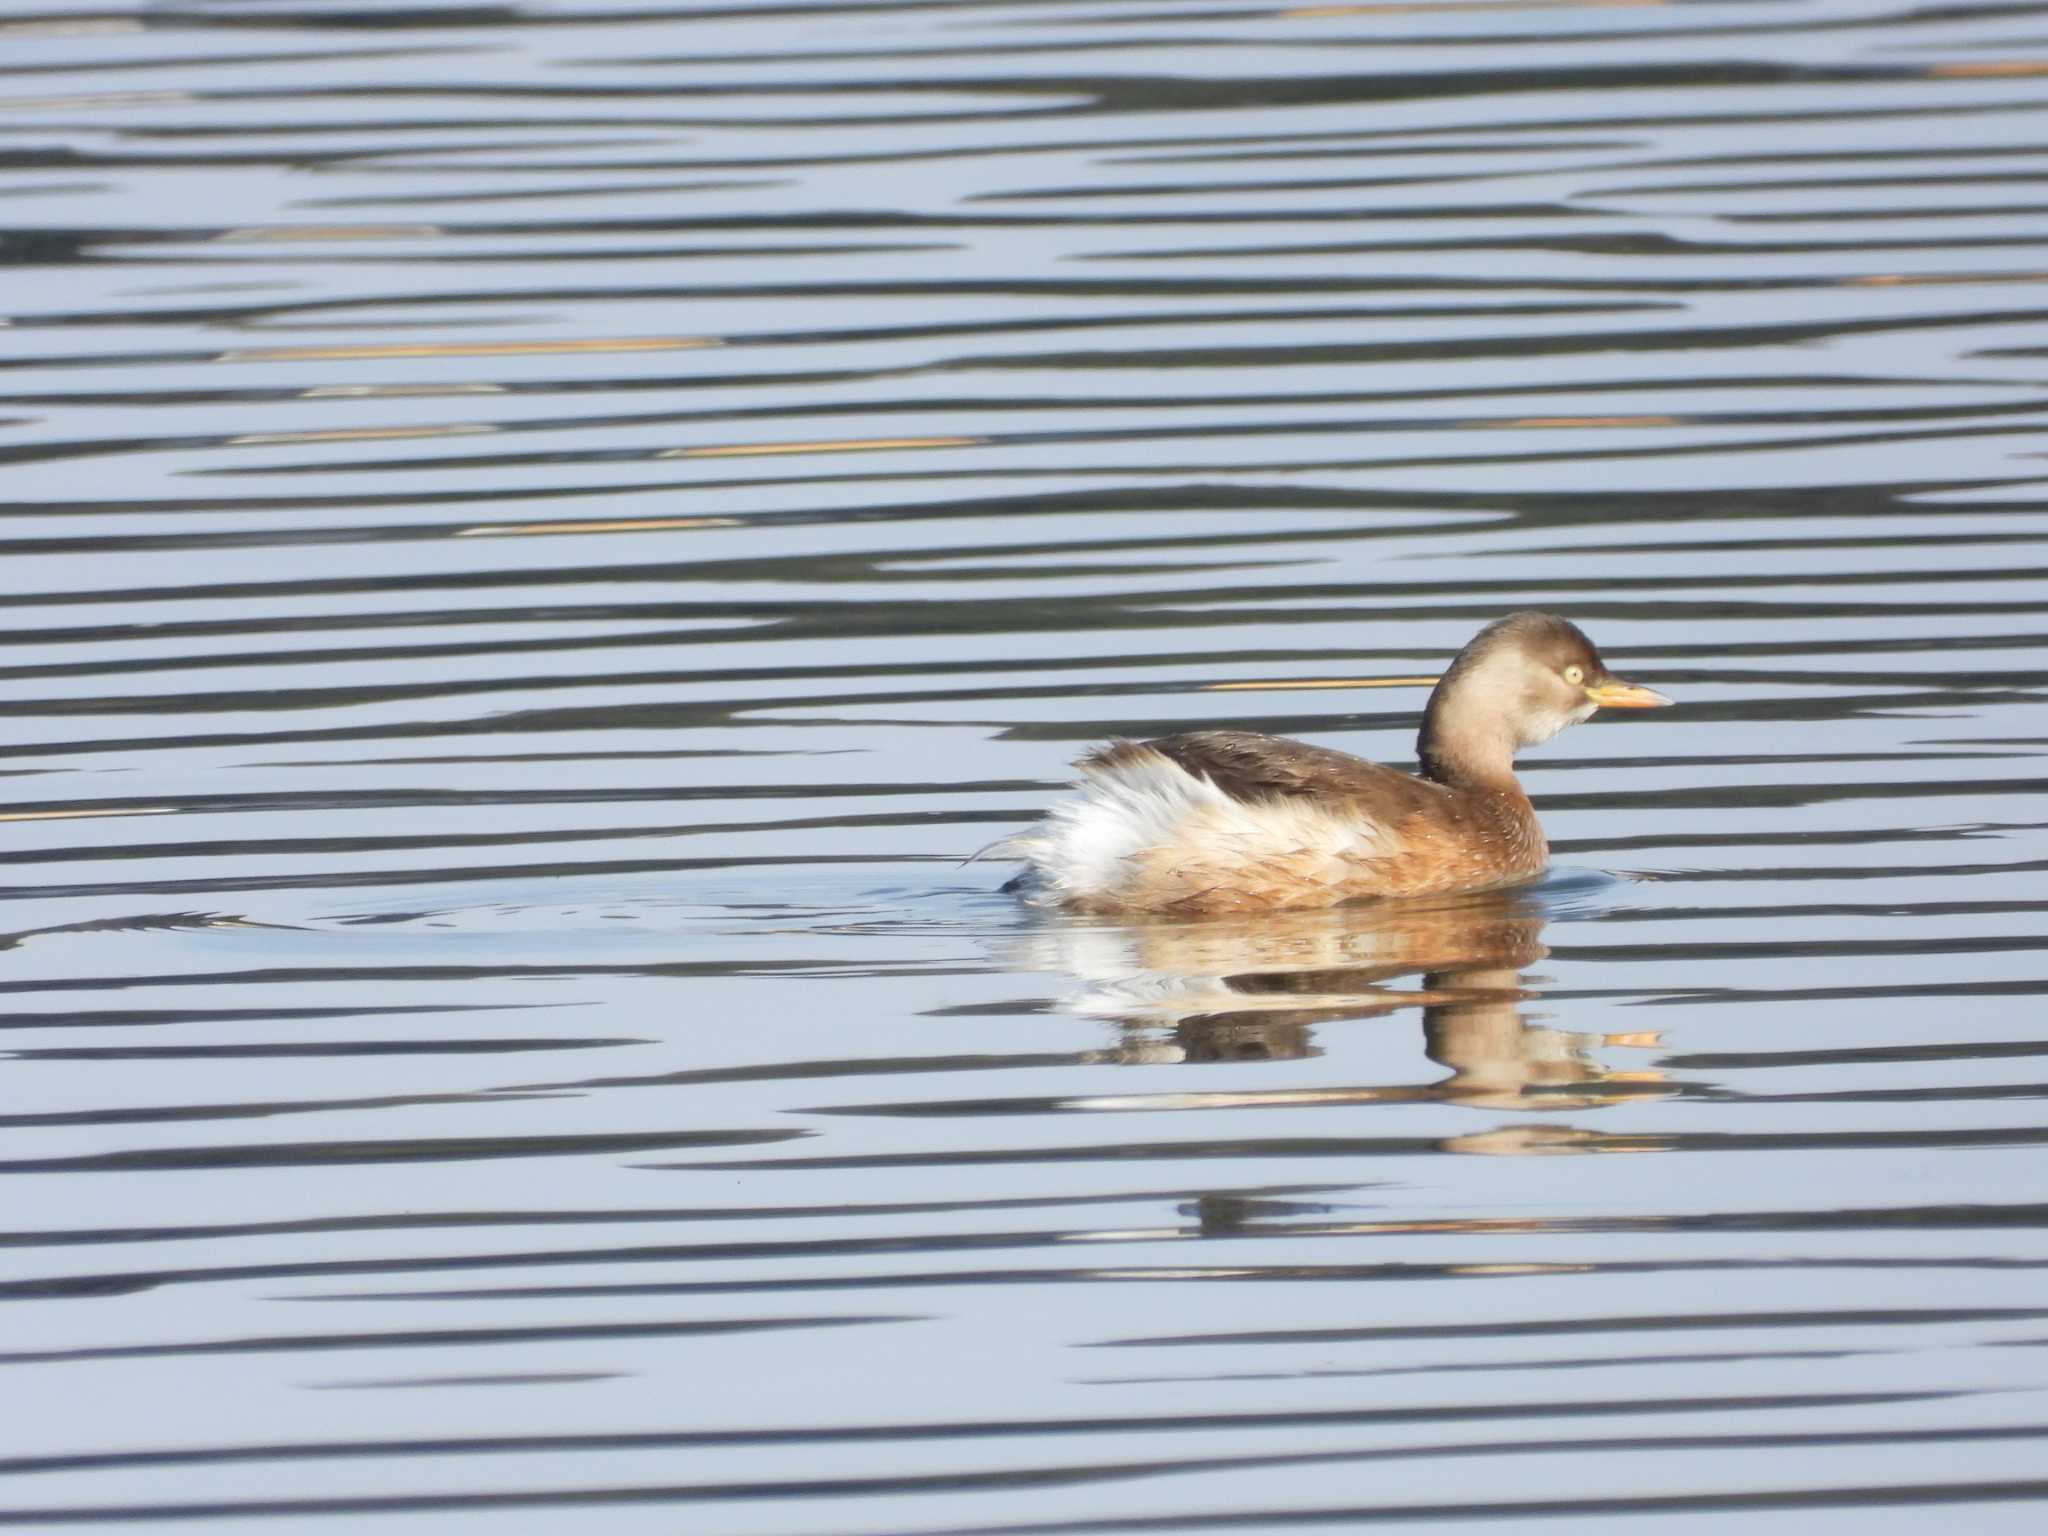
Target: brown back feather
1430 837
1249 766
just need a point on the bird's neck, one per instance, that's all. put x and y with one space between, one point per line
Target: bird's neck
1465 744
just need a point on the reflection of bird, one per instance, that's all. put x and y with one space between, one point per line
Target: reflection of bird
1474 1025
1291 968
1252 988
1235 821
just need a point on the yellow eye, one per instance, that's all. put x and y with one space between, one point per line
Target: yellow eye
1575 674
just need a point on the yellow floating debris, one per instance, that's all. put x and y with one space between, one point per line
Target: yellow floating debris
1932 279
464 349
2008 68
1322 682
1475 1225
106 27
1518 422
847 445
81 814
1316 12
623 525
359 434
97 101
395 391
276 232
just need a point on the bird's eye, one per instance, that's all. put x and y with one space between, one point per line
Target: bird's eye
1575 674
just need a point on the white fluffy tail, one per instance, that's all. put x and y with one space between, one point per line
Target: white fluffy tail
1146 835
1086 850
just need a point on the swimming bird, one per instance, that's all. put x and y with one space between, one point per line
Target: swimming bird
1238 821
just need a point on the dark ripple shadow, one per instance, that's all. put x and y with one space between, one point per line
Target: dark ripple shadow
313 1154
946 1430
427 1338
1013 1480
1452 310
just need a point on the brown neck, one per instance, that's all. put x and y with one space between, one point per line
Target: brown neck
1464 743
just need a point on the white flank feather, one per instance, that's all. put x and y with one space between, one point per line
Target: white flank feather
1088 849
1082 851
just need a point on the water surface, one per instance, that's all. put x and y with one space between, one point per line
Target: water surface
538 537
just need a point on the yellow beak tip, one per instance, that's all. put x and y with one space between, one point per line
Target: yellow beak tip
1620 695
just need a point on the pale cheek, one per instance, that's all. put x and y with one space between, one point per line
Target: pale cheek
1543 727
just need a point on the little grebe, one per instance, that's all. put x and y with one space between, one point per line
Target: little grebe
1235 821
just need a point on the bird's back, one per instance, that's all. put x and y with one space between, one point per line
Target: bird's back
1221 821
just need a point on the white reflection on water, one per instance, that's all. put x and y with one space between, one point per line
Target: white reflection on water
536 539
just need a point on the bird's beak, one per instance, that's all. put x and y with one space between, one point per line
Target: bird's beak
1616 694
